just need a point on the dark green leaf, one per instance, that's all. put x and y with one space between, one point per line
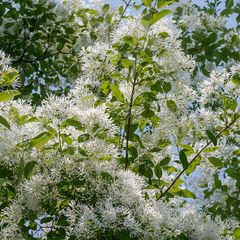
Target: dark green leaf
158 170
212 137
4 122
29 168
183 159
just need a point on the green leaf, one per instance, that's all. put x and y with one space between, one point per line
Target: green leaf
157 16
5 172
20 169
212 137
105 87
46 220
172 106
165 161
183 159
236 233
150 19
8 95
215 162
186 194
230 103
7 78
40 140
4 122
83 137
105 7
29 168
229 3
162 3
116 92
236 80
126 63
158 170
147 113
147 3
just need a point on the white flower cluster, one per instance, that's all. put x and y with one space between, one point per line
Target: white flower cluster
111 202
196 20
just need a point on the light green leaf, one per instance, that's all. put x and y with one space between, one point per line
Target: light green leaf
186 194
116 92
236 233
8 95
7 78
147 3
126 63
40 140
236 80
150 19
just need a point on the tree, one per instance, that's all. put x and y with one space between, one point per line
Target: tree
132 145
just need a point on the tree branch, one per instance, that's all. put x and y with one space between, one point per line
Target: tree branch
129 118
125 9
198 154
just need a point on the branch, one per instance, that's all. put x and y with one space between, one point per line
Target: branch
125 9
129 118
198 154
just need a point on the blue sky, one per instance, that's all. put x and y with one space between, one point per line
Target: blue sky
231 22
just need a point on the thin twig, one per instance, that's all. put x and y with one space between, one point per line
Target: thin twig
198 154
125 9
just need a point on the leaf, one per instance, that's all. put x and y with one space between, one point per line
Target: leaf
126 63
105 7
166 87
46 220
150 19
183 159
40 140
29 168
83 137
212 137
8 95
116 92
158 170
229 3
236 80
172 106
165 161
147 3
236 233
5 172
147 113
4 122
157 16
162 3
186 194
7 78
215 162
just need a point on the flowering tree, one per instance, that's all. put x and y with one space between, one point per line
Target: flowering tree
136 150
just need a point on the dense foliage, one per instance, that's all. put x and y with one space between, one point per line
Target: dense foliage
138 136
